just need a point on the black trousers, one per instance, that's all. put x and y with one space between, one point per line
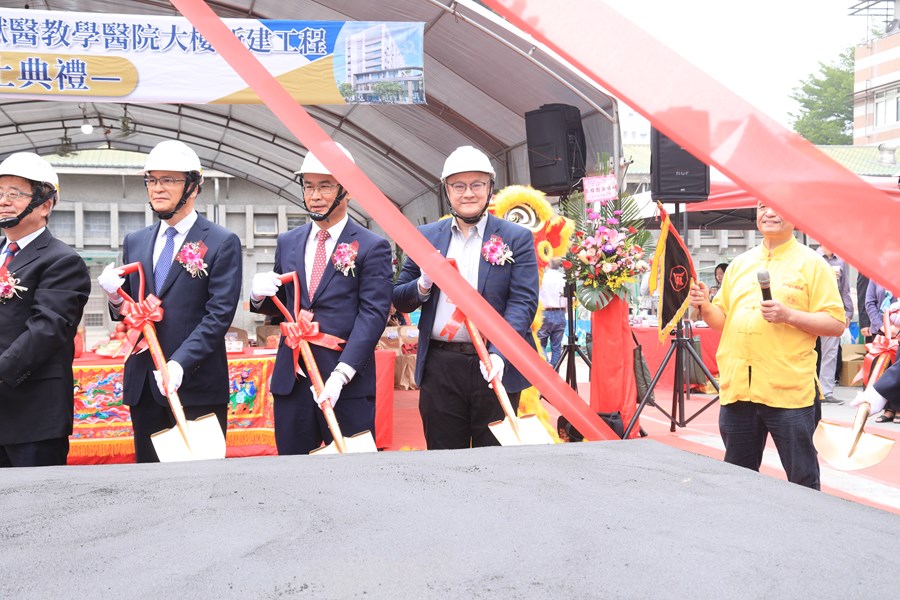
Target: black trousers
45 453
456 403
300 425
148 417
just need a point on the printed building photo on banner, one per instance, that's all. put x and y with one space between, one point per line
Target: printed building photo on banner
91 57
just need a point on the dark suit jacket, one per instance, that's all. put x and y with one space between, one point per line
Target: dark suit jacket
353 307
36 341
512 289
888 385
197 313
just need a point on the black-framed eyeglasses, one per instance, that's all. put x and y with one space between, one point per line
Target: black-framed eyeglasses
14 194
326 189
163 181
476 186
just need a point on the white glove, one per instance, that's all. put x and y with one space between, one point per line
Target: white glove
264 285
332 389
425 282
496 368
111 280
894 311
176 374
876 401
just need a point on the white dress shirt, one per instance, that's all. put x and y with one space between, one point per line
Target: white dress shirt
22 242
467 252
182 228
553 289
334 232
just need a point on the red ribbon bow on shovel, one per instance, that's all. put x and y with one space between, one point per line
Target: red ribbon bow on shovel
305 329
138 314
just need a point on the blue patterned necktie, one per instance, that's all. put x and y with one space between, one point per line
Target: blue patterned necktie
164 262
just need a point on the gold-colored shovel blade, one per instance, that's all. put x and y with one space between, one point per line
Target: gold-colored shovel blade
531 430
360 442
834 443
205 441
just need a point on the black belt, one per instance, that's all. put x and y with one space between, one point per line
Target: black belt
461 347
551 308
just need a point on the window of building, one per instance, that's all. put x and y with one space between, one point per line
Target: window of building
887 108
96 225
130 222
294 221
265 225
62 224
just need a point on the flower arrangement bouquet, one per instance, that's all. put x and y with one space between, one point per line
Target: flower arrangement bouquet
607 251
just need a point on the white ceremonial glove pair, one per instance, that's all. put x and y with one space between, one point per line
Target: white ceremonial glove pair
111 280
264 285
425 282
497 365
876 401
176 375
332 389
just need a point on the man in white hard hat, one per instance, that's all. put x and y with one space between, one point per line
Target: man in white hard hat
44 286
345 277
194 267
497 258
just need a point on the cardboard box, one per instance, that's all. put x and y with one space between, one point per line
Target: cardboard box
853 351
849 369
409 339
391 339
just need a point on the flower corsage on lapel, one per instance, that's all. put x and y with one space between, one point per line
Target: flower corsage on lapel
496 252
191 258
344 257
9 286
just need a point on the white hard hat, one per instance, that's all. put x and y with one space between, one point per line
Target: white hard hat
465 159
29 165
311 164
172 155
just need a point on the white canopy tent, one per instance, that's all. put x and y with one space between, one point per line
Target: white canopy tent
481 76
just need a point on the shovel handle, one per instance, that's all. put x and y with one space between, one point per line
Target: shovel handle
159 360
485 358
315 376
128 270
496 382
862 413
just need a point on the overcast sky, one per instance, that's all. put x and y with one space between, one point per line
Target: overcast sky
738 42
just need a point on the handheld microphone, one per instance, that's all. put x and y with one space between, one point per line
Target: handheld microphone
764 284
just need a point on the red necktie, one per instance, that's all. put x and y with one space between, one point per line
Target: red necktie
10 252
318 268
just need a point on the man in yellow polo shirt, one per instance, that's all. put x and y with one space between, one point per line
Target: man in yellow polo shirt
767 358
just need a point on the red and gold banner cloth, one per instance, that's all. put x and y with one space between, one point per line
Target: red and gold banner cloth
672 273
102 431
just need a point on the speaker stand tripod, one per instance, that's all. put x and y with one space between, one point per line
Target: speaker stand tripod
684 353
571 347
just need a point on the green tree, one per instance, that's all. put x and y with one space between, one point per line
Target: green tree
388 90
826 103
346 90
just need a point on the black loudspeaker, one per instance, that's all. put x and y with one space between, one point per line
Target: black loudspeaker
675 175
556 148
